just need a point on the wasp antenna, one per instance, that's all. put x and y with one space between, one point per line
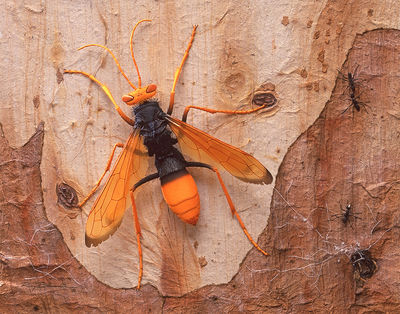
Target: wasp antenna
115 59
133 57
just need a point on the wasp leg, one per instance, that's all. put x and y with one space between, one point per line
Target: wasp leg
108 93
231 205
185 113
178 72
137 224
102 176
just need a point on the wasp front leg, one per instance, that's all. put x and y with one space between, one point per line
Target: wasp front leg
107 92
179 70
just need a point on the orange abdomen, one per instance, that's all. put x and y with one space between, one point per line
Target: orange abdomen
180 193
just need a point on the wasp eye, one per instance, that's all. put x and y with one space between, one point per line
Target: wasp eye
127 98
151 88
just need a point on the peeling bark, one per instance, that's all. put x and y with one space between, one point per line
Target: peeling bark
343 158
38 272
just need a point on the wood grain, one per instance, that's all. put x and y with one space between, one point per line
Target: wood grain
320 158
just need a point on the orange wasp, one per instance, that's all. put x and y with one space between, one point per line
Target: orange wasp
154 134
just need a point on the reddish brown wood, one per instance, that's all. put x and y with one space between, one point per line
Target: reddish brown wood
340 159
38 272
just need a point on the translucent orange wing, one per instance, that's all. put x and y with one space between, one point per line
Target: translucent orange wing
109 208
203 147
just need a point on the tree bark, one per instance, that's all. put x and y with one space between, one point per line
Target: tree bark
325 160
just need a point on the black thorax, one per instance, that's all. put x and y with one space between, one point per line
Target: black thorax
158 139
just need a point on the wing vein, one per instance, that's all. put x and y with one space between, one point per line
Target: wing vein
205 148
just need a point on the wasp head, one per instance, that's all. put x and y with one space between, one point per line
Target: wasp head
140 95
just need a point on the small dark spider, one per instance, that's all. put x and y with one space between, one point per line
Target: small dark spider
345 216
355 102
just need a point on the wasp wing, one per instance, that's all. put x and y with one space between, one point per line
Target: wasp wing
205 148
109 208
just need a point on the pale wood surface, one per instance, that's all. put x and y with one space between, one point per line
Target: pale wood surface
238 47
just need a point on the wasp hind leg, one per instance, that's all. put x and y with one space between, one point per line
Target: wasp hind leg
231 205
137 224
